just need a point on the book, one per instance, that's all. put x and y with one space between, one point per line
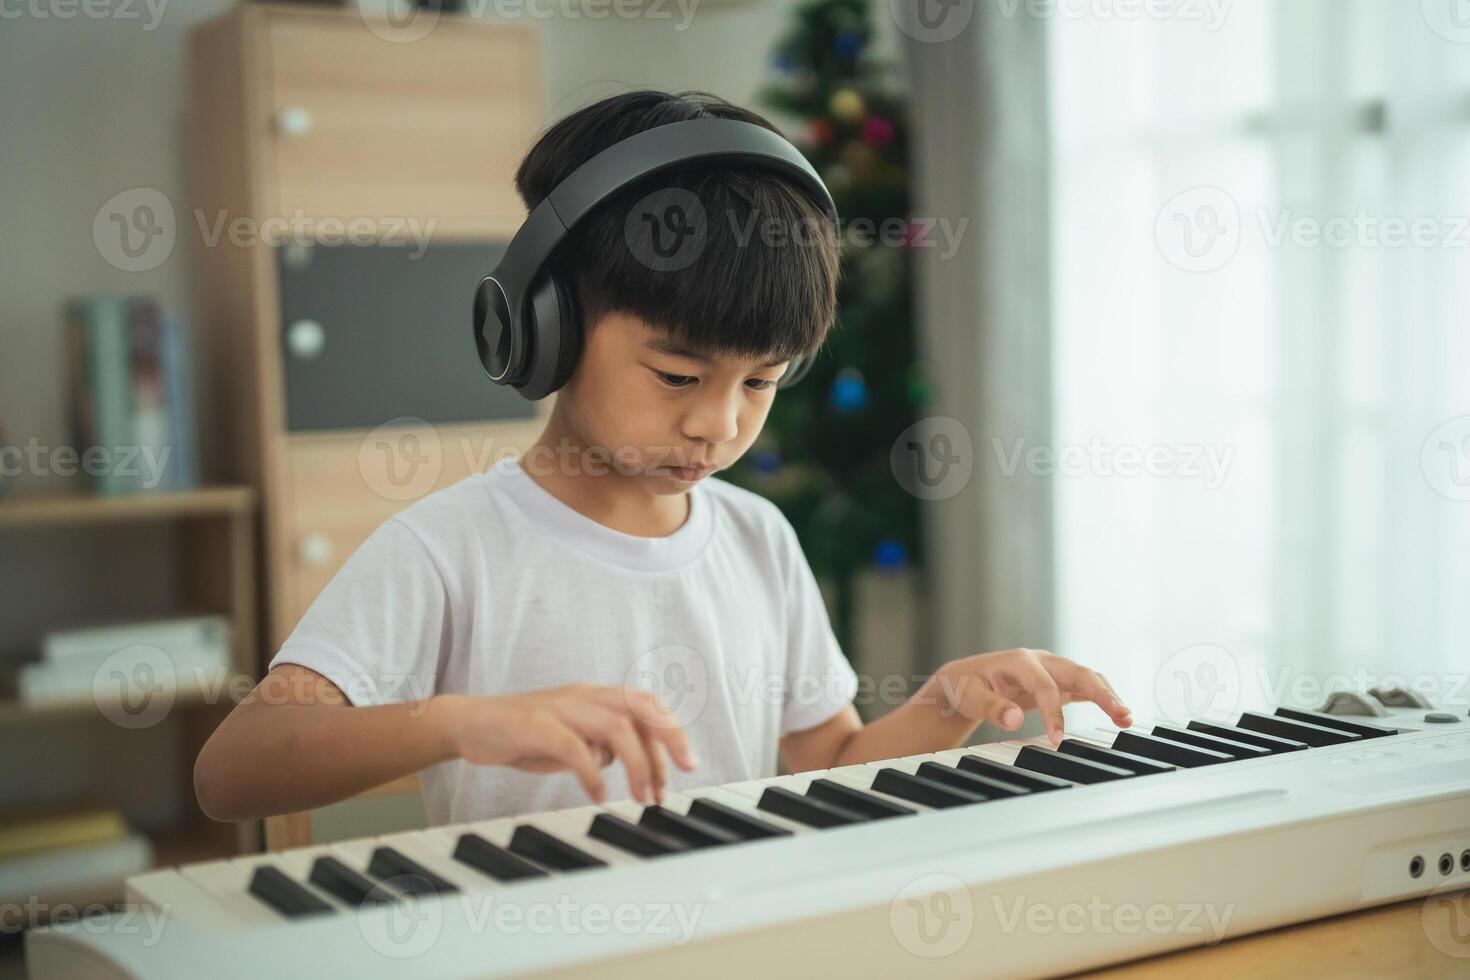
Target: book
178 369
183 633
61 871
150 415
50 828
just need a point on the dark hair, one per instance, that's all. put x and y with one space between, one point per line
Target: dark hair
746 294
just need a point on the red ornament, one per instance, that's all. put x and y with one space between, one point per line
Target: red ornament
878 131
822 132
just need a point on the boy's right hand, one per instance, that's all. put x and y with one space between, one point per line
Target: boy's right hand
581 727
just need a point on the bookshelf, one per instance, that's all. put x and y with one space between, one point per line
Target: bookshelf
212 533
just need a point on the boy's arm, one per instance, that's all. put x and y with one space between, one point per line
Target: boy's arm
295 743
995 687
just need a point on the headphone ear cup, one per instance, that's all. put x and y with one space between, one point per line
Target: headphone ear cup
554 340
572 329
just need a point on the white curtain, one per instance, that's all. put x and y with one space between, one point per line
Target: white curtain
1260 347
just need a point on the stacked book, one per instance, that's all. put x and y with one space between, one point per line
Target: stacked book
130 374
50 854
125 660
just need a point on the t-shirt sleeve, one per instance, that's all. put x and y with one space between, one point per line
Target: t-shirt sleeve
819 680
378 630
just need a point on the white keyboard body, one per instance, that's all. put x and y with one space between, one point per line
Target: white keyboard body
1034 885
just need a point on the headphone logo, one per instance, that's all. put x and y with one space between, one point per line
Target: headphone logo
667 230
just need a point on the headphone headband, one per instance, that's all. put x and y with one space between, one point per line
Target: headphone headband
525 329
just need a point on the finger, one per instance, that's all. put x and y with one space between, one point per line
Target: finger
1038 682
660 723
558 741
618 733
659 775
1087 685
981 702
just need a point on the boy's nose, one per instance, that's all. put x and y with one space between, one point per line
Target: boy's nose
714 420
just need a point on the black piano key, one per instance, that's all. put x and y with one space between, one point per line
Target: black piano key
494 860
530 841
1259 739
405 874
1236 750
690 830
1036 782
803 809
1336 721
273 887
1303 731
831 791
1072 767
993 789
1136 764
1174 753
629 836
746 825
917 789
348 884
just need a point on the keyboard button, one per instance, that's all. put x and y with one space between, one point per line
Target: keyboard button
992 789
1313 735
642 841
1334 721
735 820
404 874
494 860
1036 782
533 843
284 894
813 812
1235 750
852 798
691 830
1093 752
1071 767
1163 750
348 884
1271 743
917 789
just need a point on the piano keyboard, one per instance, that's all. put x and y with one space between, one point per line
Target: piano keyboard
1275 817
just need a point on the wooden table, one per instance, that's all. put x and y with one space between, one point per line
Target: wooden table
1389 941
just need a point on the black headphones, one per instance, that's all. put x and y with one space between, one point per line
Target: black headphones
527 329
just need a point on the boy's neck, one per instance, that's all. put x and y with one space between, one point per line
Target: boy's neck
555 462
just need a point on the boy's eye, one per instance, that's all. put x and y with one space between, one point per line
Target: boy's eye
674 380
760 384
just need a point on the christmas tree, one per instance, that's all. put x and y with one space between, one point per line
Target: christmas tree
823 457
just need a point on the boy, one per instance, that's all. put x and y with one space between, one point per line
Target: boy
495 635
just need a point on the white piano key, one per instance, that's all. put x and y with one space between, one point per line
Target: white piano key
571 826
754 788
746 805
427 851
861 777
174 894
228 884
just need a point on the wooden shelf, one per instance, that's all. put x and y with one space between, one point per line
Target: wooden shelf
51 510
12 711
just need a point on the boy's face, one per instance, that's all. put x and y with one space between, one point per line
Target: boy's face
666 416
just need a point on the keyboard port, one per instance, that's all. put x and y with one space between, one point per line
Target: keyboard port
1446 863
1416 866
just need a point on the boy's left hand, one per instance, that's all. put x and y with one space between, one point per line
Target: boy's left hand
1001 687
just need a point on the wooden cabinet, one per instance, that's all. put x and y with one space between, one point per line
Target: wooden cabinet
305 125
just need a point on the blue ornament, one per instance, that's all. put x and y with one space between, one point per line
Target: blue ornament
889 555
848 44
767 462
849 390
782 62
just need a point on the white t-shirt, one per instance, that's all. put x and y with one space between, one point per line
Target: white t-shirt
494 586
